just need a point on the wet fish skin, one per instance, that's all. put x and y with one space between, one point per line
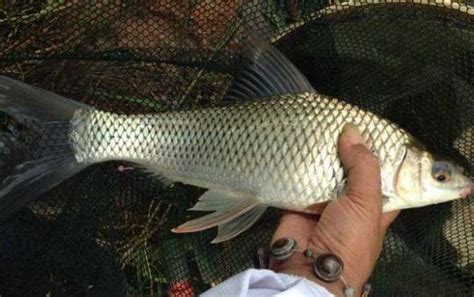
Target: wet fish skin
283 151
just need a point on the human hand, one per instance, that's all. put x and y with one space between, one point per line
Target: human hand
351 227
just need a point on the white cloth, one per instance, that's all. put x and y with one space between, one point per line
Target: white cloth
265 283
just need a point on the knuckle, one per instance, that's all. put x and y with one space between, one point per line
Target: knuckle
364 207
356 194
368 158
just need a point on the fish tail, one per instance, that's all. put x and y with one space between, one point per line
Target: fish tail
46 156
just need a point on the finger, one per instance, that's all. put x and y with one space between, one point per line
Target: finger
388 218
363 184
297 226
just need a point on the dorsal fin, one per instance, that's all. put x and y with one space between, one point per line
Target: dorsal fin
263 71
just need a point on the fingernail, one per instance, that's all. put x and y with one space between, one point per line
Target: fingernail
351 134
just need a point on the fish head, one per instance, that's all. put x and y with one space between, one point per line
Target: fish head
424 179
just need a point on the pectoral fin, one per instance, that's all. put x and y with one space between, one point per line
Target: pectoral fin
227 207
316 209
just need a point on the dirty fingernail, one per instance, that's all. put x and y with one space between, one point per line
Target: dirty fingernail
351 134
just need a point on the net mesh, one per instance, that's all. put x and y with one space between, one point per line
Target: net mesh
106 231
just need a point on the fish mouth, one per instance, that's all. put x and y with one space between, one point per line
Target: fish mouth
467 191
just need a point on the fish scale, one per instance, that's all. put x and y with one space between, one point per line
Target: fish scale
281 150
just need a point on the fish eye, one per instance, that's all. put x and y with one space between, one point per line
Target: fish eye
441 171
441 177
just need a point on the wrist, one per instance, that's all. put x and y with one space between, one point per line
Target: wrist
355 275
335 288
298 265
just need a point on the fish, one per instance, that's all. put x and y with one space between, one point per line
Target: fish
273 145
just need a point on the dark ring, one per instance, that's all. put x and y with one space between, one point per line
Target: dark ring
328 267
283 248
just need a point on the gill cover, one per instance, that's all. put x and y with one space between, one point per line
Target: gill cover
408 181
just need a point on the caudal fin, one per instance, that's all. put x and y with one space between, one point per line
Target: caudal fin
49 157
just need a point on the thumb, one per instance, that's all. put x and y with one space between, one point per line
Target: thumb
388 218
363 170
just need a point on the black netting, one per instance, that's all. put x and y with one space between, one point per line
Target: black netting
106 231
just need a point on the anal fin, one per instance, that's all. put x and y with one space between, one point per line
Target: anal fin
238 225
228 207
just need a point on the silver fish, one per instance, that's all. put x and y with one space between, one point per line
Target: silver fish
279 152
